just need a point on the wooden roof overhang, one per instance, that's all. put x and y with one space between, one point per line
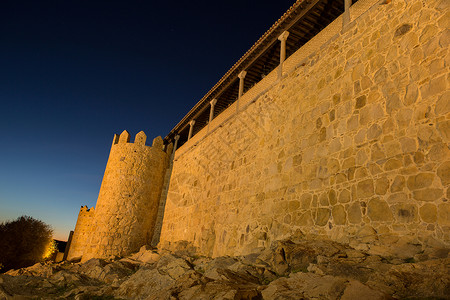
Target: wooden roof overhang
303 20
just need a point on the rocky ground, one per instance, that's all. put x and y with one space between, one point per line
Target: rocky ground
300 269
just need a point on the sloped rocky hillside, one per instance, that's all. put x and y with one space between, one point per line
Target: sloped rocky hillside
290 269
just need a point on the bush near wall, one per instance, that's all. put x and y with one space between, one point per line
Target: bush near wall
23 242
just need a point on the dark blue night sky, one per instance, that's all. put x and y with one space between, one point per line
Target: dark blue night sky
73 73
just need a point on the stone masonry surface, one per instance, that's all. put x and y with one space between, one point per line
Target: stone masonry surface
352 145
127 204
81 232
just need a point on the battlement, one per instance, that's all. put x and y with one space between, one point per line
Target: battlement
87 209
140 139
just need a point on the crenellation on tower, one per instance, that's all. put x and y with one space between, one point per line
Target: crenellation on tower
140 138
158 143
86 209
128 201
124 137
115 139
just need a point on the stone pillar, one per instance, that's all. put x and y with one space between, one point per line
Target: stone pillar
282 38
211 112
346 15
191 128
241 83
176 138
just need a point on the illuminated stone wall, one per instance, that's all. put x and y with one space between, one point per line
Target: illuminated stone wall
351 145
81 233
128 201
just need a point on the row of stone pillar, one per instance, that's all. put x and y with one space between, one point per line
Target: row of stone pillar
282 38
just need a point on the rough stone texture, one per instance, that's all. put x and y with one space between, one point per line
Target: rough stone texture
299 268
83 228
358 119
128 201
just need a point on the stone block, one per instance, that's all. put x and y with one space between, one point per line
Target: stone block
443 104
339 215
366 83
361 157
405 212
365 188
408 144
444 173
333 166
388 125
378 210
416 55
435 86
444 21
305 201
409 41
402 30
360 102
332 197
393 103
420 181
394 67
392 164
412 93
377 62
404 117
360 137
381 186
352 122
361 173
444 129
297 160
428 194
374 132
322 216
427 33
444 40
431 47
357 72
341 177
398 184
436 66
323 199
345 196
336 99
348 163
444 214
397 197
428 212
381 75
354 213
293 205
303 219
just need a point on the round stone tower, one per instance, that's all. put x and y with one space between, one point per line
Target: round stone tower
127 204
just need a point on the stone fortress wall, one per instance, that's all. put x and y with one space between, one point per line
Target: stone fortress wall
81 233
127 205
351 144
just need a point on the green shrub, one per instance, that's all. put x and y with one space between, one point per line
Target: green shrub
23 242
